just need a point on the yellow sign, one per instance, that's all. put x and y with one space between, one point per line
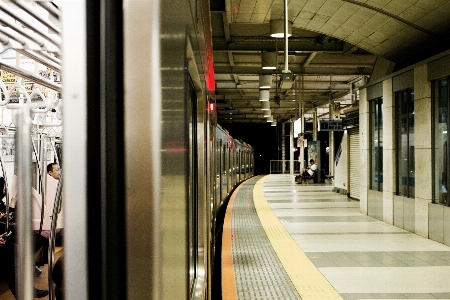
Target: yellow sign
8 77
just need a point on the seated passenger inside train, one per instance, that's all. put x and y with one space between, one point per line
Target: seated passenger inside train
8 251
53 170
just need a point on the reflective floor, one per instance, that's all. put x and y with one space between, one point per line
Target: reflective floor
291 241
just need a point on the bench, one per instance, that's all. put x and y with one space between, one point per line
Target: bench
327 178
306 179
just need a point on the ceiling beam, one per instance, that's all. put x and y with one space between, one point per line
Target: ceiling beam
298 70
269 44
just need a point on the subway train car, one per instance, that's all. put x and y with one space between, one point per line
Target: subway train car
132 123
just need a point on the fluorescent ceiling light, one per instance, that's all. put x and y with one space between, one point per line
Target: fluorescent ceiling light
277 28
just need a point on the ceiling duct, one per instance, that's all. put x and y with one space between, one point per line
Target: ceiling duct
286 34
269 60
265 105
265 81
277 28
264 95
269 119
267 113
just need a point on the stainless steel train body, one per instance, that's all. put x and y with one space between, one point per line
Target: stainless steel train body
146 168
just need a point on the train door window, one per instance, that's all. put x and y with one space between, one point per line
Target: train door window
441 167
193 188
241 162
228 162
405 143
238 165
218 173
224 188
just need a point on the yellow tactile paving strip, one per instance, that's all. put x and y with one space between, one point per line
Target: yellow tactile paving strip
306 278
228 282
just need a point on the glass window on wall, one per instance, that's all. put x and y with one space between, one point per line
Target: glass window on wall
376 144
405 143
440 94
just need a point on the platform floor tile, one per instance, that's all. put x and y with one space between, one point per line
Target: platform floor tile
291 241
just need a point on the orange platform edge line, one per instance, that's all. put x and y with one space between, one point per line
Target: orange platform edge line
228 282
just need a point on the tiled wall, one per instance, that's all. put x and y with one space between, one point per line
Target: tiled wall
417 214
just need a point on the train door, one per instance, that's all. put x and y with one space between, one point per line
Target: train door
228 168
193 189
219 172
224 168
235 167
244 165
241 166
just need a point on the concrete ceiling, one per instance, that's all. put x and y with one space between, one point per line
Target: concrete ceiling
336 46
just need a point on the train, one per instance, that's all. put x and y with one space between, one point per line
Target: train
120 94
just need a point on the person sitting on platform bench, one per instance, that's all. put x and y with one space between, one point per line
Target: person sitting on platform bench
308 173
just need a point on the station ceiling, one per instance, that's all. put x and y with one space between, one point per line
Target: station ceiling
336 46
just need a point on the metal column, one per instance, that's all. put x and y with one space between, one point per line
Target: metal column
315 124
283 146
331 153
291 148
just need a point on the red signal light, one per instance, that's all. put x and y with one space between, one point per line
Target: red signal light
212 107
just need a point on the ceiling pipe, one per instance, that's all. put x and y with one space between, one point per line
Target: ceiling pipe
264 95
50 7
265 105
286 70
24 5
54 40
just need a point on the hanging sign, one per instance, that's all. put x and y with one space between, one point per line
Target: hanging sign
326 125
336 111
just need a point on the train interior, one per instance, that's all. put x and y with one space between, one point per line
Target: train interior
163 115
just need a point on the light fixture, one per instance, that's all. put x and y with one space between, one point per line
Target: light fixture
269 60
264 95
267 113
265 81
265 105
274 123
277 28
270 119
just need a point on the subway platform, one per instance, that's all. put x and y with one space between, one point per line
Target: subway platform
283 240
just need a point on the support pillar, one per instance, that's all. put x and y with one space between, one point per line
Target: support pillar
283 147
315 124
291 148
